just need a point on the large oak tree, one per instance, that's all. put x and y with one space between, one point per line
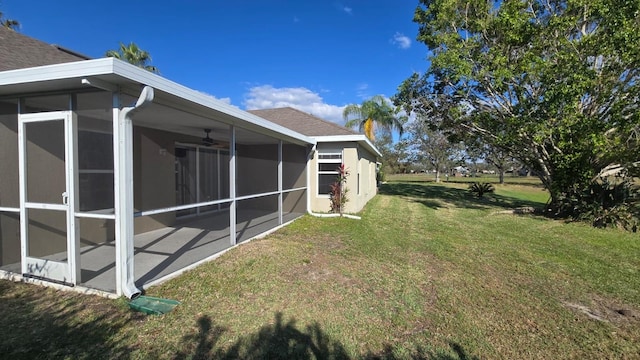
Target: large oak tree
554 83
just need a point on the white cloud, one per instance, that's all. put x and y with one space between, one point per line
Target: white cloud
344 8
402 41
362 91
267 96
226 100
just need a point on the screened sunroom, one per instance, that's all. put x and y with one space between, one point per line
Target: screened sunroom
114 178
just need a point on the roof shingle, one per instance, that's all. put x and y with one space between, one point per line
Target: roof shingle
19 51
302 122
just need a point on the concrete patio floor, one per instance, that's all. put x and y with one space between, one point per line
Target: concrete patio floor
164 252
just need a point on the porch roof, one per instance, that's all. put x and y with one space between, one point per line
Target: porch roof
112 74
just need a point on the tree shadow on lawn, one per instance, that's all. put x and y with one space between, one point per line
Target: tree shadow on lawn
72 325
283 340
432 196
470 180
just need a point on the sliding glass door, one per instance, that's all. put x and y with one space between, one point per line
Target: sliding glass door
202 174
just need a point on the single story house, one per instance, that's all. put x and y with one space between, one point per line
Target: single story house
114 178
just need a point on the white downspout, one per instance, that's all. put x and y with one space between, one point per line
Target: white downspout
124 210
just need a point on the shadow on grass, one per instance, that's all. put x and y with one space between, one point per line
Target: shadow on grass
73 326
453 180
432 196
283 340
457 352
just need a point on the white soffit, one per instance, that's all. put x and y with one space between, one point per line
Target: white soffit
67 76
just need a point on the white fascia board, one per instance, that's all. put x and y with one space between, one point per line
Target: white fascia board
56 72
361 139
112 66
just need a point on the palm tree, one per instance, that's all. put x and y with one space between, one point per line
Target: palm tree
371 113
133 55
8 23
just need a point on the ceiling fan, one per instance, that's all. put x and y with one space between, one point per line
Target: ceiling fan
207 141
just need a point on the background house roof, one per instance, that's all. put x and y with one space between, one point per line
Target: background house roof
19 51
302 122
315 127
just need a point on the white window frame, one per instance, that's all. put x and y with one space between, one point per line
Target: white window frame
329 160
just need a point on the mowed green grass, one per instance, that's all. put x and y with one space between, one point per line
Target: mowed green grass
429 272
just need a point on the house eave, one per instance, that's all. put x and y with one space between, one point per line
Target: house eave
68 76
360 139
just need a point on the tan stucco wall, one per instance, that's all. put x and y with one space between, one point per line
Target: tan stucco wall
295 201
294 166
9 238
294 175
352 156
154 175
257 169
9 196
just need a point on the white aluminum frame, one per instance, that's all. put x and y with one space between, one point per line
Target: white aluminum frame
233 237
280 197
65 272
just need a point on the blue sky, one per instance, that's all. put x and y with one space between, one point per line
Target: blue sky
317 56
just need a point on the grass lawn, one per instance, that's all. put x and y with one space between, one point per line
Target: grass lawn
429 272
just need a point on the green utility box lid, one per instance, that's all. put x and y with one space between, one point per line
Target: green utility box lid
152 305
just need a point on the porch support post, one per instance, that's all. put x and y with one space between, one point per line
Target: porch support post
22 176
280 221
73 227
218 175
118 223
309 172
232 186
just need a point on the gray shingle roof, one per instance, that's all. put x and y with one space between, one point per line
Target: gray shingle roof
19 51
302 122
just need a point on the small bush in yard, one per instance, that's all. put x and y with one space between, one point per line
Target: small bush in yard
380 176
605 203
480 188
338 194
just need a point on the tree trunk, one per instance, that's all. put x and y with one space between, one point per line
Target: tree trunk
501 176
437 175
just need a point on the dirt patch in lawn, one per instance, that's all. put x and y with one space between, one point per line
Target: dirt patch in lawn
319 267
606 310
